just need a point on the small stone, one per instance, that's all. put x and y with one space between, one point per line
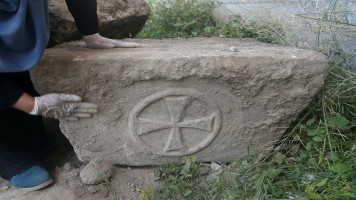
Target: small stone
234 49
93 189
132 185
215 167
234 166
67 167
89 174
138 189
4 188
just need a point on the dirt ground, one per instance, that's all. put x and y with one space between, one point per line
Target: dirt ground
127 182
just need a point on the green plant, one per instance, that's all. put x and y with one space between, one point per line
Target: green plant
181 180
108 185
147 194
188 18
178 18
316 157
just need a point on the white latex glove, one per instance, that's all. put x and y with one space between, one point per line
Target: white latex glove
67 106
96 41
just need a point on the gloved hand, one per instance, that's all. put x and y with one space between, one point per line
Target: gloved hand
96 41
67 106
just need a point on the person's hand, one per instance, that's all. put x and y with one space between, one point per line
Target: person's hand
67 106
96 41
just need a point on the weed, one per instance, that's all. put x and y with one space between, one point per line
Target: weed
147 194
108 185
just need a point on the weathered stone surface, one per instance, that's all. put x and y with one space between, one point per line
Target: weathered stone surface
173 98
90 172
117 19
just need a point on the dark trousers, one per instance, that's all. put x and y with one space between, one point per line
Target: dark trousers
23 141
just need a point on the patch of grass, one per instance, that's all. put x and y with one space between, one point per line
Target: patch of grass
188 18
316 159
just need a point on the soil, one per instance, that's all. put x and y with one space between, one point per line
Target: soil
127 182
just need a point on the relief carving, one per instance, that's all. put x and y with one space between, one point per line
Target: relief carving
174 110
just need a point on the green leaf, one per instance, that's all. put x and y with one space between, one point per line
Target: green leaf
333 156
310 121
186 167
338 122
101 176
273 173
312 162
304 155
174 188
340 167
311 132
322 182
244 164
187 193
317 139
308 146
279 158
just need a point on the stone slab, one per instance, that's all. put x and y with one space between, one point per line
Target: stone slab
212 98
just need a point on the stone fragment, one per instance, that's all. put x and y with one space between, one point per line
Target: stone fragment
90 172
117 19
67 166
4 188
178 97
93 189
215 166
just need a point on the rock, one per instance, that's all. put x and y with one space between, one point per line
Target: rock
4 188
295 148
93 189
215 166
173 98
117 19
67 166
89 174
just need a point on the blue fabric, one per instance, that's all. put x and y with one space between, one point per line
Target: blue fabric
24 33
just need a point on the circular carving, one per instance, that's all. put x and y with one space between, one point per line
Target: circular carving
175 122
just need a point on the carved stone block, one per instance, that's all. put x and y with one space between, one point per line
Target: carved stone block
173 98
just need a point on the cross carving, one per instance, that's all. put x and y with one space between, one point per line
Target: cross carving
176 107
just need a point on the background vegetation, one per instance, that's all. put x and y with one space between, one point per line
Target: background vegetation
317 157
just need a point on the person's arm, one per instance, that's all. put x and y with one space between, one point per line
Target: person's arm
66 106
10 94
25 103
